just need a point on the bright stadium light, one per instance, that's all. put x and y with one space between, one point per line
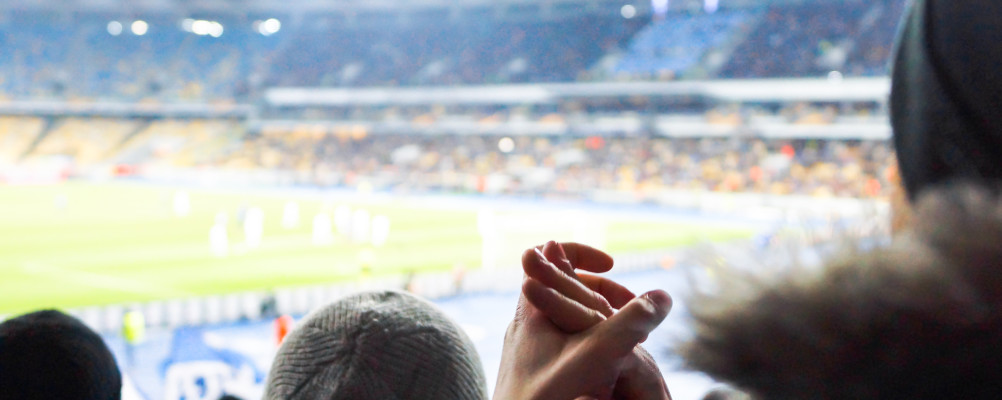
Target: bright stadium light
114 28
506 145
187 24
140 27
628 11
660 7
711 6
215 29
835 77
201 27
270 27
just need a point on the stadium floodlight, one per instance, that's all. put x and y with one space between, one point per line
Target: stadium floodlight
711 6
115 28
188 25
660 7
201 27
628 11
140 27
215 29
506 145
269 27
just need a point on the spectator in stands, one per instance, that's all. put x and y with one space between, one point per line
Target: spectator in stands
918 319
50 355
377 345
946 96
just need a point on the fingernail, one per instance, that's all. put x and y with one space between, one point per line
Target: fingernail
560 251
659 299
548 246
539 253
554 252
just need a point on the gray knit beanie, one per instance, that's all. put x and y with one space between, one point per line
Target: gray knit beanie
377 345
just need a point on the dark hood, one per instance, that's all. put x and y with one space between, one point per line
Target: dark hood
946 96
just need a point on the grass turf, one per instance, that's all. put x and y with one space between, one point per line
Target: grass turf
82 244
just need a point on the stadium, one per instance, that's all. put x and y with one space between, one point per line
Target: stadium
213 165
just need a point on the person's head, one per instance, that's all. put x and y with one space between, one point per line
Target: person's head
919 319
50 355
946 94
377 345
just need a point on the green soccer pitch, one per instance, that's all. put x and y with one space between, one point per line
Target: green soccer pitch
81 244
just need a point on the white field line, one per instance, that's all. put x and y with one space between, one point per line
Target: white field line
101 281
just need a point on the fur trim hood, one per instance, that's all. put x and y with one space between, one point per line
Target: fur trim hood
919 319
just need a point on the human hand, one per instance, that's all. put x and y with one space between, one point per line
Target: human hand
578 302
541 361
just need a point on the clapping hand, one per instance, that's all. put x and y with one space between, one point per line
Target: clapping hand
568 341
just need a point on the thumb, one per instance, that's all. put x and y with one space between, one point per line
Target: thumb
617 336
641 379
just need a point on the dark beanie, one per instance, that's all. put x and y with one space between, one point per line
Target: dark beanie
946 94
377 345
50 355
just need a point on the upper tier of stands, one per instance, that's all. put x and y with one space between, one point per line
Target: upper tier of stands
460 52
678 42
813 39
47 56
74 55
873 46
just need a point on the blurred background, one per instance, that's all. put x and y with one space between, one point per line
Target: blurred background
191 177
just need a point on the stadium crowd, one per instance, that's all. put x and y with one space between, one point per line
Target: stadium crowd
916 319
528 165
574 167
87 56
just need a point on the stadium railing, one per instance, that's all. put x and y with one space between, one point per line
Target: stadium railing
252 306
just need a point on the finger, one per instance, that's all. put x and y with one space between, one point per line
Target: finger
538 267
568 315
554 253
614 293
622 332
522 308
641 379
581 256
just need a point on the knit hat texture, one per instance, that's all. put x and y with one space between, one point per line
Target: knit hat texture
50 355
946 93
377 345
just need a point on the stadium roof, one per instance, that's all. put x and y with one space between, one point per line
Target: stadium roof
287 6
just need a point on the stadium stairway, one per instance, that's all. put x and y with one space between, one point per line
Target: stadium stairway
48 124
716 58
137 129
